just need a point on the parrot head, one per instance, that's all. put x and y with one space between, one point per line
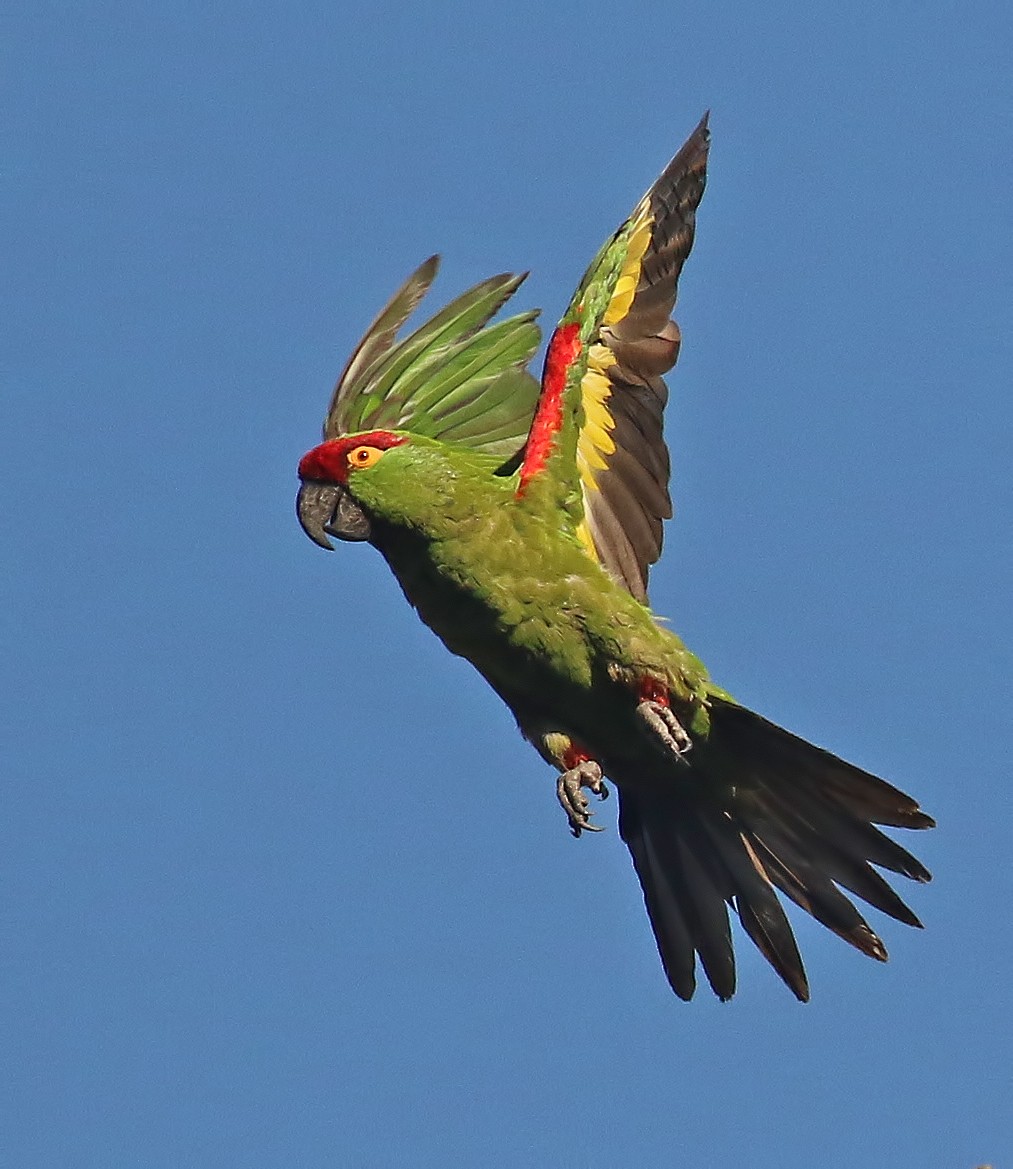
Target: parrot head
326 505
349 484
414 419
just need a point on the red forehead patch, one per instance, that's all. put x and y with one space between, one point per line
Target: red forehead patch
328 462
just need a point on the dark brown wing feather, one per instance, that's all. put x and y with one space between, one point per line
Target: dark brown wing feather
637 350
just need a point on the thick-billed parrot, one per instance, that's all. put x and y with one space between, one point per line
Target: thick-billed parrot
520 521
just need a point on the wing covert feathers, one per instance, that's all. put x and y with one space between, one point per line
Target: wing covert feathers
760 810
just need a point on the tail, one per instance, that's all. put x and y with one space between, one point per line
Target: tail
759 809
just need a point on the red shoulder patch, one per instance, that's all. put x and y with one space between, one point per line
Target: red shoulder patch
563 351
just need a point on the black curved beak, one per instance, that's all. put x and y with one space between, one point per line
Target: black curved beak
326 509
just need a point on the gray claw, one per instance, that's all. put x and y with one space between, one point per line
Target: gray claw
573 801
671 735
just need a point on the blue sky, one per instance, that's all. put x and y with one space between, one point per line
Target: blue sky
280 883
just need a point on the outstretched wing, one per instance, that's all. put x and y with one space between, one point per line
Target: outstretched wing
596 446
453 379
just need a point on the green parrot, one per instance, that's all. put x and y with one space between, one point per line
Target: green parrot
520 521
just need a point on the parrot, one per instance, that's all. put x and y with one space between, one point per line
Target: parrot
520 518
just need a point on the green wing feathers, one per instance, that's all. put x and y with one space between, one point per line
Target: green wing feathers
377 342
453 379
609 440
594 445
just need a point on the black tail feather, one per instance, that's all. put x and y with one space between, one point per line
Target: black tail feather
841 850
705 903
685 904
812 811
780 753
675 942
813 891
757 905
759 809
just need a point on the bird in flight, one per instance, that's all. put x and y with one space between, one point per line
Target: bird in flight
521 518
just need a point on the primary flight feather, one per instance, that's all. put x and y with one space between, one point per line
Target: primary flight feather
521 520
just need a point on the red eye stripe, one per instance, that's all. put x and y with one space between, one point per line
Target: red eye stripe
328 462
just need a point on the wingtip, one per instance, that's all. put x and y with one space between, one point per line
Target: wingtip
703 128
510 280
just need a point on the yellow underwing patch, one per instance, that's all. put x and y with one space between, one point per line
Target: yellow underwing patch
595 442
629 276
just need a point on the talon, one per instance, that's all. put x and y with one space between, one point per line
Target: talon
671 733
574 803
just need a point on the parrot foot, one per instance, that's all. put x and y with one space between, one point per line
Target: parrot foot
574 803
671 736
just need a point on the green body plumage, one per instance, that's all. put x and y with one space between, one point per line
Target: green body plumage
505 584
521 523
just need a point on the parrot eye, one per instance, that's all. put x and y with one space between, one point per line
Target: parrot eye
361 457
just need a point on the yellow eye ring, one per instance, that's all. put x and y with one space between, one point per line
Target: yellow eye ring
362 457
